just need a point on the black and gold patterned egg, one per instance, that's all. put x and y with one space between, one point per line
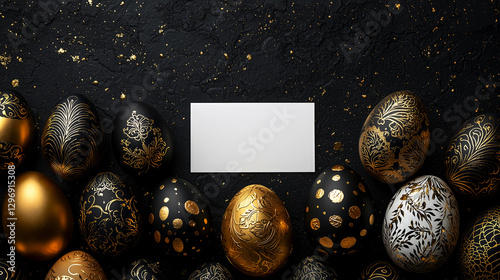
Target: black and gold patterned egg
72 140
141 140
180 218
472 159
212 271
143 269
339 211
479 253
381 270
16 128
9 272
314 268
395 138
110 221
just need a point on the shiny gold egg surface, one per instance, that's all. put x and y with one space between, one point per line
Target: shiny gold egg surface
76 265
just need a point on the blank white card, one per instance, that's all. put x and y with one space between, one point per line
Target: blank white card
252 137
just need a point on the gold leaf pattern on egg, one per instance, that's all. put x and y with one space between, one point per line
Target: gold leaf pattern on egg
336 196
335 221
151 155
380 270
337 168
472 159
213 271
76 265
314 267
12 153
192 207
12 107
145 270
71 126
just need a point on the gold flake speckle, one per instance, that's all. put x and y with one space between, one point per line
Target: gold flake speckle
123 96
354 212
178 245
15 83
348 242
249 56
95 82
192 207
336 178
326 242
164 213
335 221
320 193
61 51
336 196
4 59
315 225
177 223
133 57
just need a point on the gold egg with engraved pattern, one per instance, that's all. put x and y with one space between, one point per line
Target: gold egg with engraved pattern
76 265
256 231
16 128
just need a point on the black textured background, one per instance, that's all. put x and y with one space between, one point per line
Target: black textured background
343 55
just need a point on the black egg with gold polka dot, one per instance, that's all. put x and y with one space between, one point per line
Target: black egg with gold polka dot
179 218
339 212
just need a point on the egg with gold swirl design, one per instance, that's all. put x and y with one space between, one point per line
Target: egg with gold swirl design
479 251
16 128
381 270
110 221
256 231
143 269
76 265
421 225
179 218
72 140
339 214
7 272
314 268
141 140
472 159
395 138
212 271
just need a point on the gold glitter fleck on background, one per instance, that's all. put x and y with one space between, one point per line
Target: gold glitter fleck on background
4 59
15 83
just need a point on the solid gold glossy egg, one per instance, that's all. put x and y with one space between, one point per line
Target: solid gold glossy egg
256 231
76 265
43 217
16 128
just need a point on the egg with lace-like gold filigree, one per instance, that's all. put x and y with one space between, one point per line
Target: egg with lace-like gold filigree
472 159
110 221
212 271
339 213
256 231
16 128
72 140
6 272
180 220
395 138
381 270
143 269
141 140
314 268
76 265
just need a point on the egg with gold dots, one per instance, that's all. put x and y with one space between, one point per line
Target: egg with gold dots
339 213
179 218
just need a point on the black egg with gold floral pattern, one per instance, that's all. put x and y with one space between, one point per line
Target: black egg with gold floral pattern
143 269
110 221
339 213
381 270
314 268
211 270
180 218
141 140
7 274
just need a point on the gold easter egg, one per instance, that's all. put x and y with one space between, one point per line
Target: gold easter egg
76 265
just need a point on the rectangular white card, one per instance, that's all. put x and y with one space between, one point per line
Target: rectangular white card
252 137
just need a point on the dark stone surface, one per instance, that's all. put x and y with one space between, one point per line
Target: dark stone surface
343 55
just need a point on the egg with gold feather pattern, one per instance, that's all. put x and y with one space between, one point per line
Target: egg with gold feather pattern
16 128
314 268
10 272
110 221
472 159
381 270
212 271
72 140
76 265
339 213
143 269
141 140
256 231
179 218
479 253
395 138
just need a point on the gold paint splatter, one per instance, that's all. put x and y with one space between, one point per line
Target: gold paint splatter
205 221
157 236
336 178
362 232
315 225
335 221
174 180
326 242
337 168
177 223
166 199
123 96
348 242
355 192
336 196
307 209
133 57
76 58
361 187
192 223
249 56
164 213
4 59
162 55
161 187
372 219
95 82
61 51
15 83
167 240
354 212
318 182
226 56
320 193
192 207
178 245
337 146
151 218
